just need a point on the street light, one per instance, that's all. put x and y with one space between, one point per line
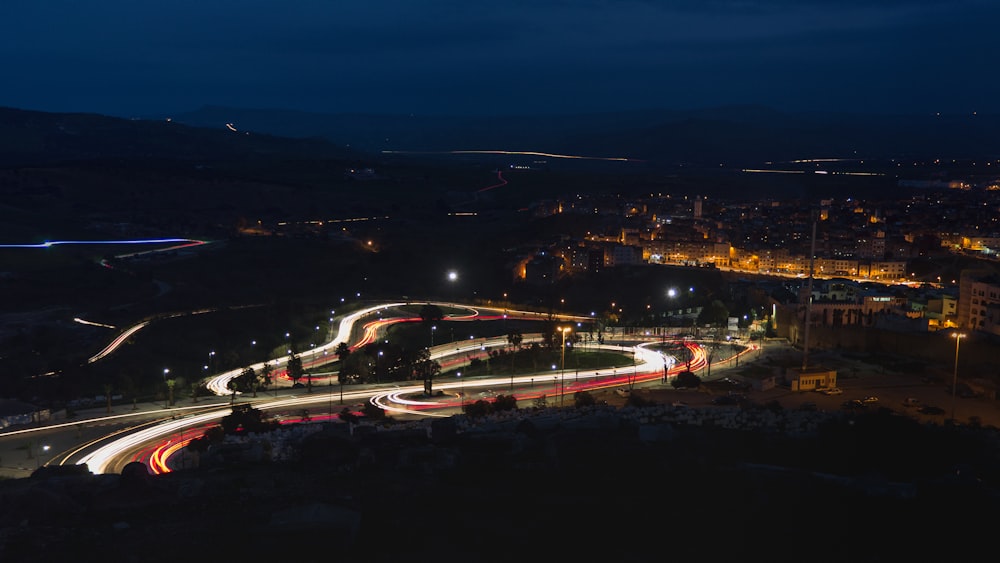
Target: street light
165 372
562 363
38 461
958 336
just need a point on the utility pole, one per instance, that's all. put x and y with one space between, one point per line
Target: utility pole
809 299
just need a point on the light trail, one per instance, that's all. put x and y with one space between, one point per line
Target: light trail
51 243
522 153
118 341
501 184
102 459
124 336
109 418
648 364
833 172
219 384
85 322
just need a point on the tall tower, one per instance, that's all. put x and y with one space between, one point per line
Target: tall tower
697 207
810 377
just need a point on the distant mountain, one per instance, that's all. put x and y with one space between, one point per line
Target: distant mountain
734 135
32 137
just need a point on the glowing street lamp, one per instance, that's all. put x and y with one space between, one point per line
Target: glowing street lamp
562 363
378 363
45 449
165 372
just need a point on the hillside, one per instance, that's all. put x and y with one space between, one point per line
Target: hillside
741 135
622 484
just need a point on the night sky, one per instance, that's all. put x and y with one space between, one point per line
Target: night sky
456 57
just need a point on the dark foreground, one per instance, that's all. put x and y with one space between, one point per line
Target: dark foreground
590 487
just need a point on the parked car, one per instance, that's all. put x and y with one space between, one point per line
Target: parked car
623 392
870 400
911 402
831 391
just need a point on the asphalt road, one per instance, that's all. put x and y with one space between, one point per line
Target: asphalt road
20 454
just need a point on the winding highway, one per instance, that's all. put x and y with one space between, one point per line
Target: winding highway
159 440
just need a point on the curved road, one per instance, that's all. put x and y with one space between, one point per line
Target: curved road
157 441
145 443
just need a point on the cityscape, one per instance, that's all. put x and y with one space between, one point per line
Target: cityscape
512 320
439 281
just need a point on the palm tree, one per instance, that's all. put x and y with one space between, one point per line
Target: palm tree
430 314
342 351
425 368
514 339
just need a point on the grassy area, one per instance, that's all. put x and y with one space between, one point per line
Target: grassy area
526 362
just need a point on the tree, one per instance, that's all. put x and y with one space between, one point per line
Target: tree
686 379
477 409
170 387
252 380
245 382
107 396
583 399
716 314
342 351
373 411
213 435
431 313
245 418
294 369
425 369
354 368
264 376
514 339
504 403
233 384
